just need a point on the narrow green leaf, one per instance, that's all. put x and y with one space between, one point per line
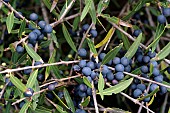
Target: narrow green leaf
32 53
10 22
18 83
76 23
22 28
8 107
91 46
54 38
133 48
56 71
23 57
111 19
25 107
15 57
151 101
68 38
32 79
118 88
101 85
87 82
36 88
37 110
45 44
86 102
86 9
34 25
111 54
69 100
60 109
137 71
163 53
102 5
92 12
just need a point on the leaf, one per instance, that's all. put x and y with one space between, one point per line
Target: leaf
32 53
133 48
36 88
137 71
22 58
53 5
56 71
102 5
54 38
15 57
101 84
118 88
69 100
111 54
93 12
25 107
8 107
159 31
45 44
34 25
18 83
91 46
166 83
163 53
150 94
68 38
151 101
60 109
85 102
87 82
22 28
32 79
86 9
111 19
76 23
51 60
37 110
10 22
105 40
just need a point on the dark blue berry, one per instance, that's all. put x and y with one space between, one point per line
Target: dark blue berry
82 63
137 32
128 68
161 19
98 65
105 69
93 33
119 68
91 65
30 27
82 94
142 87
50 95
29 92
158 78
27 71
20 49
154 63
114 82
6 1
30 45
166 11
33 16
76 68
89 91
146 99
85 27
110 63
37 63
93 75
110 76
144 69
137 93
60 94
133 86
86 71
82 87
139 58
168 70
163 89
10 83
151 54
40 77
153 87
124 61
51 87
116 60
37 32
155 72
101 56
32 36
42 24
89 78
82 52
144 75
21 104
146 59
119 76
48 28
80 111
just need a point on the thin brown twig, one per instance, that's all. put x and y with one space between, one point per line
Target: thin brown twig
94 98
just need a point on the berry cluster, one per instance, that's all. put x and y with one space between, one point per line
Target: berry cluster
165 13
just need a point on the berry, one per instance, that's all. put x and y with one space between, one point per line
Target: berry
86 71
110 76
82 63
42 24
81 94
37 63
133 86
10 83
33 16
114 82
128 68
158 78
144 69
155 72
51 87
30 45
161 19
20 49
119 68
80 111
50 96
93 33
48 28
76 68
29 92
89 78
166 11
21 104
60 94
146 59
142 87
41 37
105 70
151 54
124 61
89 91
144 75
98 65
153 87
116 60
82 87
32 36
101 56
168 70
119 76
91 65
40 77
146 99
110 63
139 58
85 27
30 27
37 32
137 32
137 93
93 75
27 71
163 89
82 52
154 63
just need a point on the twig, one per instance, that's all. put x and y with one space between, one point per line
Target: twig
2 91
38 66
164 103
94 98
